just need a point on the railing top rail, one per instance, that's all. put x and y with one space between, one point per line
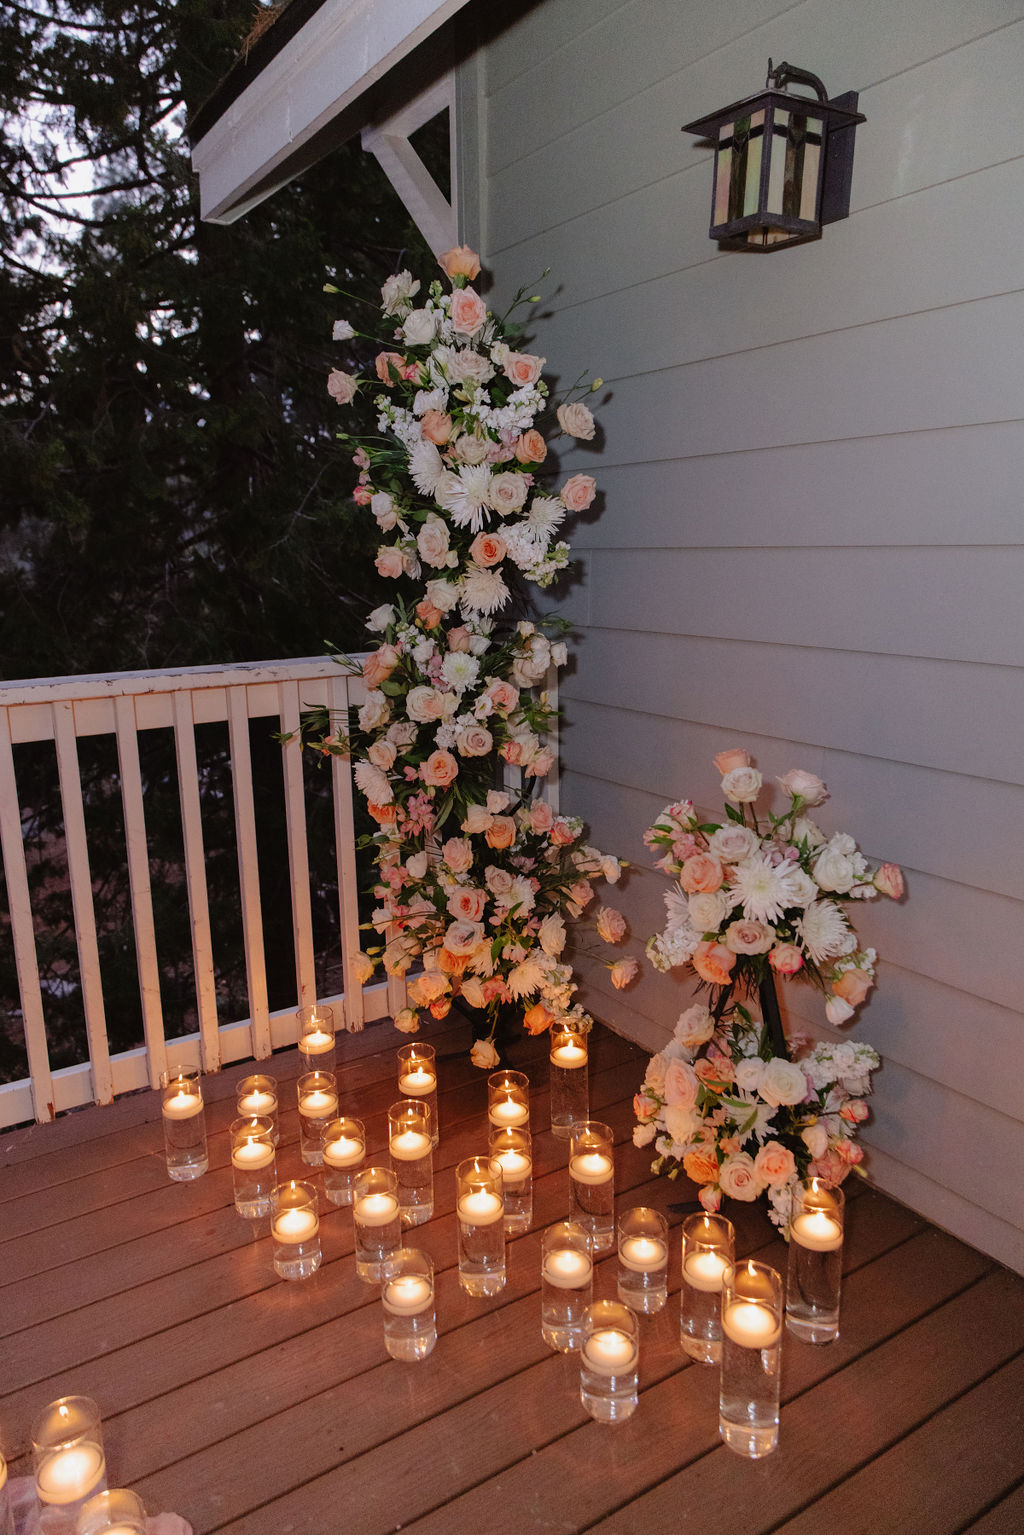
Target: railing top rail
41 690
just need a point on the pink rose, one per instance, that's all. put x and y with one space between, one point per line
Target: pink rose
542 763
341 386
578 493
468 312
523 368
682 1084
643 1107
710 1197
467 902
389 561
503 696
440 769
735 757
474 741
362 495
562 834
501 832
432 542
829 1166
611 924
850 1153
774 1164
806 786
623 972
531 448
463 937
701 873
389 363
436 426
748 937
507 492
854 1112
457 853
460 261
487 549
786 959
853 986
713 962
460 639
889 880
542 817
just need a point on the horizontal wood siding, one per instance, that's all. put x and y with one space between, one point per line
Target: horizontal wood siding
808 538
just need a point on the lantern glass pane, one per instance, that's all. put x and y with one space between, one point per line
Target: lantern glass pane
777 166
752 183
723 173
809 189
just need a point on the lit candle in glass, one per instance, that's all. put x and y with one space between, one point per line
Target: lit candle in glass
748 1415
295 1228
708 1247
417 1078
253 1166
344 1151
318 1104
256 1098
411 1159
67 1444
592 1181
508 1100
815 1276
569 1080
184 1123
608 1361
566 1285
117 1512
512 1149
316 1037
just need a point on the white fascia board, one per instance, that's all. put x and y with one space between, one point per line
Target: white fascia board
344 48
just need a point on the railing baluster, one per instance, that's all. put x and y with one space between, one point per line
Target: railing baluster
146 958
80 880
12 847
345 845
298 849
195 876
248 870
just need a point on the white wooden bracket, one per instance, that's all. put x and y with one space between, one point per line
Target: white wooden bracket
435 216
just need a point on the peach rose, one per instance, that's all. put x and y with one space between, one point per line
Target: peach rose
853 986
829 1166
428 615
507 493
578 493
467 901
623 973
889 880
523 368
436 426
389 561
786 959
341 386
468 312
474 741
460 261
531 448
576 421
562 834
748 937
611 925
538 1019
701 1166
487 549
728 761
502 695
701 873
389 363
382 754
643 1107
440 769
738 1178
378 667
440 1007
452 964
501 832
855 1112
682 1084
774 1163
713 962
460 639
542 817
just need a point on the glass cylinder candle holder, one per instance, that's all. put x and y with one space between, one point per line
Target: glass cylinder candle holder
117 1512
569 1080
344 1151
814 1280
609 1360
318 1105
316 1038
709 1243
253 1166
407 1295
67 1454
256 1098
508 1100
377 1222
412 1159
184 1120
480 1207
417 1078
295 1228
748 1417
514 1150
643 1259
592 1182
566 1285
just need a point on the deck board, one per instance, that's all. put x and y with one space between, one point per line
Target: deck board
256 1407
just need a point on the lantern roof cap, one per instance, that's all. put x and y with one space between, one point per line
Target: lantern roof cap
774 95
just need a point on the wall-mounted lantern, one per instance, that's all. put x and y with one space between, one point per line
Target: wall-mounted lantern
783 163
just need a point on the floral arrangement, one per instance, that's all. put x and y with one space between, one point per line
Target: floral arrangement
475 880
730 1101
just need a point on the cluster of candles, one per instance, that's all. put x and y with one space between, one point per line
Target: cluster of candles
70 1468
731 1315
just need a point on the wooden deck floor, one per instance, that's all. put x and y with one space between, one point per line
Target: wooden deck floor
252 1405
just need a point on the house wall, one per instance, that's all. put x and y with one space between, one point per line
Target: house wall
809 537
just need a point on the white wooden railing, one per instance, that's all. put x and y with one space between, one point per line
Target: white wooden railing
63 709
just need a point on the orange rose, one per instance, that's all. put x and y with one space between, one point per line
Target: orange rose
436 426
853 986
441 1007
701 873
440 769
386 362
531 448
452 964
384 815
468 312
701 1166
728 761
713 962
537 1019
501 832
428 615
460 261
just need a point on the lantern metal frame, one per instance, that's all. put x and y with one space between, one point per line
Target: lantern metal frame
764 202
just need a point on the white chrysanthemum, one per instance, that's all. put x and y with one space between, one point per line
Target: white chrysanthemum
465 495
761 888
824 931
678 907
483 591
545 515
373 783
460 670
525 978
425 467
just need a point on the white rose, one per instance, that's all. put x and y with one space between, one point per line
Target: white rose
416 866
707 911
432 541
694 1027
375 711
397 291
407 1021
484 1055
383 508
782 1082
443 594
750 1073
419 327
806 830
738 1178
643 1135
743 785
732 843
800 887
680 1122
815 1138
381 617
834 870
